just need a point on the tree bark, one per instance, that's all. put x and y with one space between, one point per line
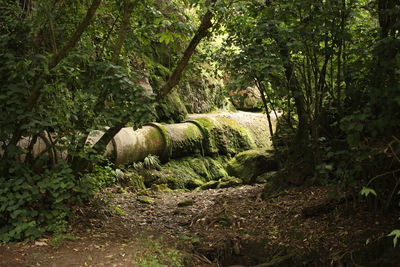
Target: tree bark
302 134
127 11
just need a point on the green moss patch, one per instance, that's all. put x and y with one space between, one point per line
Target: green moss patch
171 108
250 164
187 172
224 136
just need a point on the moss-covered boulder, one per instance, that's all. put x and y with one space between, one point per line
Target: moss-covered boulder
265 177
132 180
221 183
248 165
187 172
171 108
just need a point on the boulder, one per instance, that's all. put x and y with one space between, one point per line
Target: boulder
248 165
247 99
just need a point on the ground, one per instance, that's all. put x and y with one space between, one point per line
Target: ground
216 227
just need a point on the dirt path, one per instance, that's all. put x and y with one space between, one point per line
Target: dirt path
219 227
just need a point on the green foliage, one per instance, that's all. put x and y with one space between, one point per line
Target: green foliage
149 162
396 235
365 191
32 204
331 66
100 177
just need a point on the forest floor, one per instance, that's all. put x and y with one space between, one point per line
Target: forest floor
217 227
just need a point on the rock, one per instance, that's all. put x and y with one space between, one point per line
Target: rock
171 108
249 164
229 182
145 83
161 188
265 177
134 181
194 183
210 185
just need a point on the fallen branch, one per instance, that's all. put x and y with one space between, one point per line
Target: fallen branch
325 207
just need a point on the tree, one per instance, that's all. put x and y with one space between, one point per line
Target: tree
60 92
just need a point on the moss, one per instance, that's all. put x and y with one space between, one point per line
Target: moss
250 164
145 199
229 182
237 137
171 108
161 188
209 185
222 183
186 140
265 177
187 172
217 167
194 183
132 180
210 133
224 136
171 181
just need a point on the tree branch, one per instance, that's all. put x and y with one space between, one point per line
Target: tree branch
202 32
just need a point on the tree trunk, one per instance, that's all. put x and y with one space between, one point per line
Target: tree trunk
202 32
123 29
264 100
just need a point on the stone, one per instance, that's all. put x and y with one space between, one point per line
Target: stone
248 165
265 177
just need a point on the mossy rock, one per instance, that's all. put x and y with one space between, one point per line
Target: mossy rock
161 188
209 185
171 108
265 177
217 167
229 182
200 168
186 203
162 177
249 164
194 183
222 183
187 172
132 180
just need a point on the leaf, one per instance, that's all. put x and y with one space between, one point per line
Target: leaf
365 191
396 234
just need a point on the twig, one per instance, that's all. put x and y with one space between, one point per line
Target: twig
394 153
380 175
202 258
